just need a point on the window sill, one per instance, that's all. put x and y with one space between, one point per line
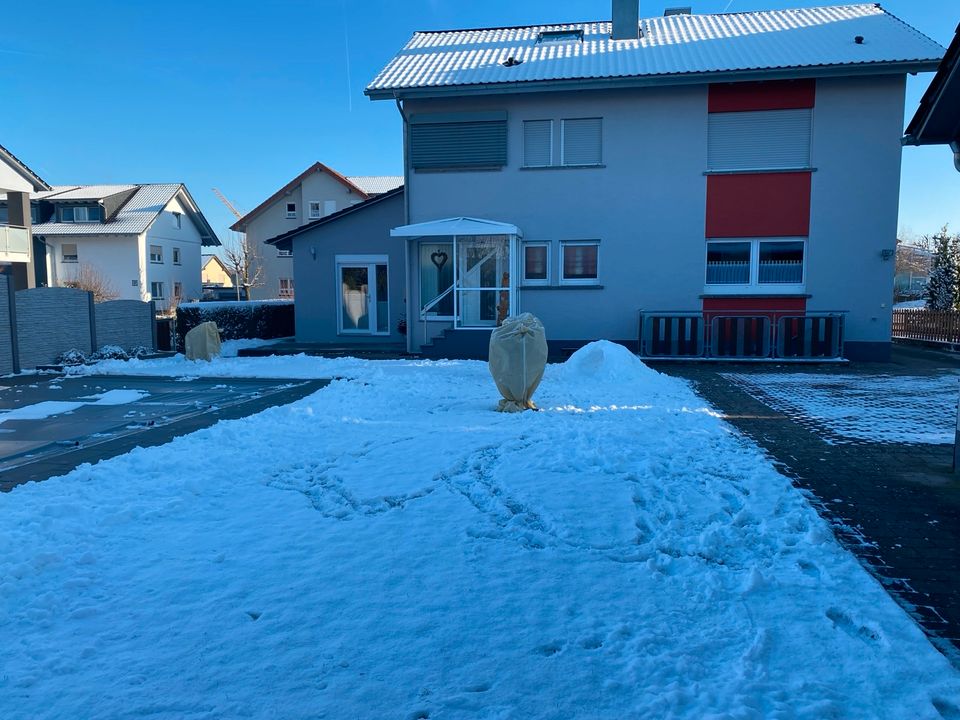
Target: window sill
69 262
562 167
563 286
156 262
760 293
761 171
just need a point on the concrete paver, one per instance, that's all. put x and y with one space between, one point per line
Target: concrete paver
895 505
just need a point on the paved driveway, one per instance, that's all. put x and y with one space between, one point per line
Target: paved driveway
51 424
872 446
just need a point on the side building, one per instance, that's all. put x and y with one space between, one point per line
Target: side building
317 192
17 249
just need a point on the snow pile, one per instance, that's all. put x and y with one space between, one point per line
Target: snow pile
391 547
873 408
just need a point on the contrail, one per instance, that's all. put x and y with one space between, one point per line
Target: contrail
346 45
727 7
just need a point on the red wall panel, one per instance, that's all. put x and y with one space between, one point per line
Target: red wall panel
758 205
754 305
772 95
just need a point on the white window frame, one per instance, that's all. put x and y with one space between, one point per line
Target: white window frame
523 261
311 215
176 220
177 256
289 292
77 209
754 285
358 261
523 136
564 244
177 290
156 258
284 253
291 214
563 160
75 257
153 295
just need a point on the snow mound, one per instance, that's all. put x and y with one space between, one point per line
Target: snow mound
606 361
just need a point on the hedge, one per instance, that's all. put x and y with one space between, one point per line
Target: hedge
238 320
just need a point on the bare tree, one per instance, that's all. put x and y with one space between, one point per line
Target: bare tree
244 262
89 278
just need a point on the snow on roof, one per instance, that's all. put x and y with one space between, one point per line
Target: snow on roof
743 42
455 226
84 192
132 219
376 184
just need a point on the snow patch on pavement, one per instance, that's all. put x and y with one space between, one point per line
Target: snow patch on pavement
873 408
391 547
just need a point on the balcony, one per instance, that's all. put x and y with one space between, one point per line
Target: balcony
14 244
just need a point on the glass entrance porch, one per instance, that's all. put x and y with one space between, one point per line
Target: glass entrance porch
467 271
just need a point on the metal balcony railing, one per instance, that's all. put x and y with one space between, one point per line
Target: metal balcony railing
741 336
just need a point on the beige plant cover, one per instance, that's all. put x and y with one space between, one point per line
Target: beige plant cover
518 355
203 342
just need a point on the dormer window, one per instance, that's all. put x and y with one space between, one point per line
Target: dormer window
550 37
79 214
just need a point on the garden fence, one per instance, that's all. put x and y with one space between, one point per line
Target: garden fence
941 326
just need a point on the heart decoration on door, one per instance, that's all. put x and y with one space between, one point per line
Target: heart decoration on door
439 259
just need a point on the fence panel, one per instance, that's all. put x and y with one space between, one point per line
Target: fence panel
125 323
8 347
50 321
927 325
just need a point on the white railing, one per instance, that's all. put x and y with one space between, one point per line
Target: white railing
727 272
784 271
15 241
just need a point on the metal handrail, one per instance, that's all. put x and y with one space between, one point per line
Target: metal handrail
437 299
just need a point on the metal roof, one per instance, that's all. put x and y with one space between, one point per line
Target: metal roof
376 184
671 49
282 241
937 120
456 226
133 218
83 192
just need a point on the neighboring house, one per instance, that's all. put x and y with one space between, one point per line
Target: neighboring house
937 120
315 193
17 182
144 240
350 274
214 273
913 271
728 182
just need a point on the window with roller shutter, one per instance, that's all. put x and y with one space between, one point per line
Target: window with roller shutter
537 143
582 141
759 140
458 141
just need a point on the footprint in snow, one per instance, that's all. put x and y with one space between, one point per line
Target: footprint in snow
809 568
550 649
846 623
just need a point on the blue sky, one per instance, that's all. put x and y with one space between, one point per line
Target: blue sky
243 95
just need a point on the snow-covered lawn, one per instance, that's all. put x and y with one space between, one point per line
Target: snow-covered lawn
876 408
391 548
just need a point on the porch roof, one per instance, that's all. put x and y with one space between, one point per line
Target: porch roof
456 226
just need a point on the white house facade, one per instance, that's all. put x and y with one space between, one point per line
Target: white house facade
143 241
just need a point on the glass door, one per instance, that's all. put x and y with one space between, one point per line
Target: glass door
364 297
484 280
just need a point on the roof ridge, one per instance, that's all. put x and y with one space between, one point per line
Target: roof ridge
657 17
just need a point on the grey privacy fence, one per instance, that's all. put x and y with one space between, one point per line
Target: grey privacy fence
40 324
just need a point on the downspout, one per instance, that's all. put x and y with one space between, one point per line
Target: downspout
407 292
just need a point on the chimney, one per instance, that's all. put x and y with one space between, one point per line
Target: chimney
626 20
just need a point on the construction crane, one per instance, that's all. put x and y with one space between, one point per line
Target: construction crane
229 204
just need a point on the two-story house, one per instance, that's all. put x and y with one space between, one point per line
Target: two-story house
17 182
716 185
317 192
139 242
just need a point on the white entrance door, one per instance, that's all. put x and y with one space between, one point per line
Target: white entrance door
363 295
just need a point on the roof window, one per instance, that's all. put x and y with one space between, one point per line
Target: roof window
560 36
